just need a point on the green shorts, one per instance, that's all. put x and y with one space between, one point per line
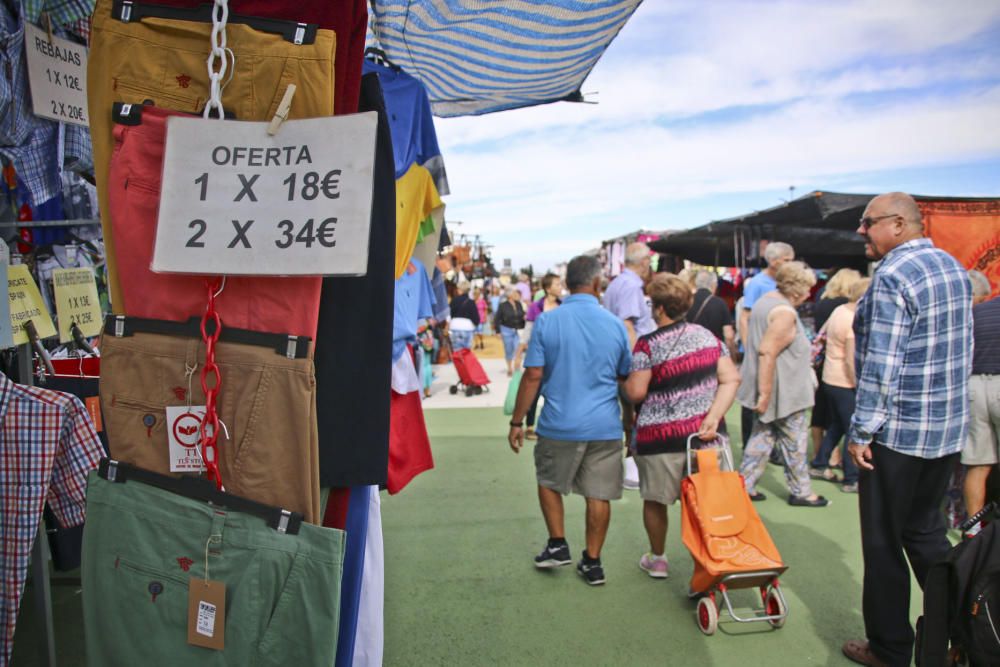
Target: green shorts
142 546
592 469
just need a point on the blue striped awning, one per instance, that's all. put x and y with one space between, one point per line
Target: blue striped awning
475 57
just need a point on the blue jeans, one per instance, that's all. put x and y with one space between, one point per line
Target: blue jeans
461 340
841 410
510 342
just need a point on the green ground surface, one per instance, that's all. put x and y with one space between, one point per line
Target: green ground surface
461 588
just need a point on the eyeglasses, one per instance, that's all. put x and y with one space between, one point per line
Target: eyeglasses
868 222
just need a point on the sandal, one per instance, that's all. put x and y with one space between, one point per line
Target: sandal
799 501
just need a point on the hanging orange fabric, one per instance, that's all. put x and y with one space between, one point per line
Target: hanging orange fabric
969 231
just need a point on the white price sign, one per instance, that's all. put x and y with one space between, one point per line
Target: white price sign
236 201
57 74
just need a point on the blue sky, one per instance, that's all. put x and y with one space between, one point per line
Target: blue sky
709 110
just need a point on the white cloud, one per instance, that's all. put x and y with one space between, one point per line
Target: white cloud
526 178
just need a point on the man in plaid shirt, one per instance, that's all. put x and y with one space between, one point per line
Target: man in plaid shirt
913 333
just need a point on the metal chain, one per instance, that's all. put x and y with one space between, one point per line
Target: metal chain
211 383
217 60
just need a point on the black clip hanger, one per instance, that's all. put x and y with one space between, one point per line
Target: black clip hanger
200 489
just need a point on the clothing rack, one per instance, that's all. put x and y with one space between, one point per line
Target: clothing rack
50 223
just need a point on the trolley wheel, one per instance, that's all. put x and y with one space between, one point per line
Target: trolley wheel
708 616
453 389
469 391
479 390
775 607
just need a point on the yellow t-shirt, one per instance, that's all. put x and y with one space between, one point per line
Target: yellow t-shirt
416 199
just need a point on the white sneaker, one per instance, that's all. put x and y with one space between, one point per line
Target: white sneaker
655 566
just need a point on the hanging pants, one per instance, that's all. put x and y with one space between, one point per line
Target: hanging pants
256 303
144 545
267 403
165 61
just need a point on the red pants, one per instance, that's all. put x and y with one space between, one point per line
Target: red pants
272 304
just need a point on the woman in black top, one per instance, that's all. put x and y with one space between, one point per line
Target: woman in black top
509 321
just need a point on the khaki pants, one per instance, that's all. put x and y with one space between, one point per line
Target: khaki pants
266 401
165 61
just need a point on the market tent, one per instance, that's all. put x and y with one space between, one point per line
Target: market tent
479 56
820 226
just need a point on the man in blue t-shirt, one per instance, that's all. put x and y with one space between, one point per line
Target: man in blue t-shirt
577 354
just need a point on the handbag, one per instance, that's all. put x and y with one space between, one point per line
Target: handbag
511 398
817 349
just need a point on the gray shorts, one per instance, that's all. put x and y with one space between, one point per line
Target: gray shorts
660 476
981 449
592 469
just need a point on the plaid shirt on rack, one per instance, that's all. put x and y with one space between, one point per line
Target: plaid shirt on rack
913 331
29 142
60 12
47 447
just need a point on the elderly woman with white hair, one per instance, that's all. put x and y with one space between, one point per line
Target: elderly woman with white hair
981 287
778 385
464 317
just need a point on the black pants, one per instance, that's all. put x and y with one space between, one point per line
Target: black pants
532 411
746 424
901 518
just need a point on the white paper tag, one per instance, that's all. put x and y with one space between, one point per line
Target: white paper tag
57 74
183 434
237 201
206 619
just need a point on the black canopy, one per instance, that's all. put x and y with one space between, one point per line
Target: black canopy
820 226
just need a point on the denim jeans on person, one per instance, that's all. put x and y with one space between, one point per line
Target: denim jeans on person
461 340
510 341
841 404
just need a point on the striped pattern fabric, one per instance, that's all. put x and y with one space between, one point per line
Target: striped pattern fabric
48 445
480 56
683 362
913 353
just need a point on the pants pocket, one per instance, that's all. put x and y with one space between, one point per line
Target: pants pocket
302 629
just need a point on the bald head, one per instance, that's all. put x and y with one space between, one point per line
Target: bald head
890 220
902 205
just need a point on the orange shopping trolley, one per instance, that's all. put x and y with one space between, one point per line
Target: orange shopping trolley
730 546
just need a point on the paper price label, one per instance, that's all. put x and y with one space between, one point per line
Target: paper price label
184 437
77 301
57 74
207 614
236 201
26 304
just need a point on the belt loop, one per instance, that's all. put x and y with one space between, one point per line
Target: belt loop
293 347
215 537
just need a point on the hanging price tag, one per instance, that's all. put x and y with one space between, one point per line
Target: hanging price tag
76 301
26 304
183 437
6 332
57 74
207 613
237 201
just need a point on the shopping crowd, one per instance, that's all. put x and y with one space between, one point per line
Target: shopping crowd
902 369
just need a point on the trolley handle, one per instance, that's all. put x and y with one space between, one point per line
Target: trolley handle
722 446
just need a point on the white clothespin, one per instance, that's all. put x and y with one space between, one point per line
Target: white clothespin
282 113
